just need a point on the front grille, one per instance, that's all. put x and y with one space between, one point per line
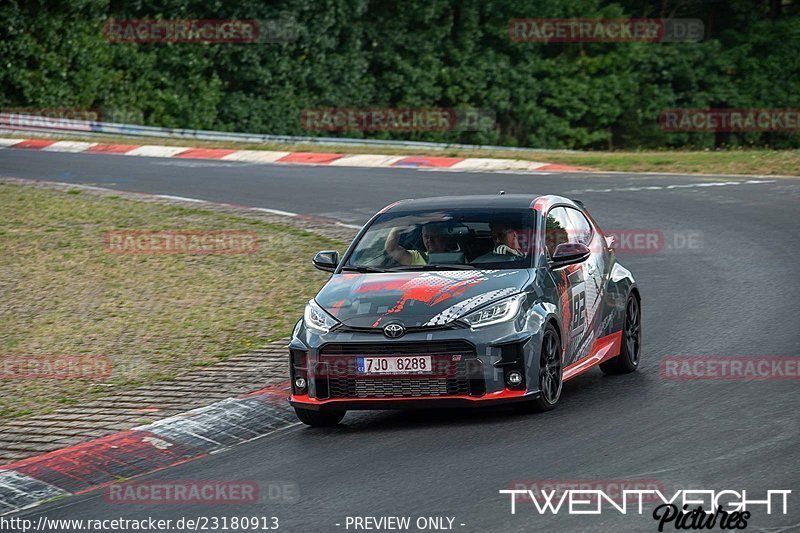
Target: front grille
462 376
388 388
398 348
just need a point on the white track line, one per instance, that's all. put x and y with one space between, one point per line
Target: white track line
79 186
183 198
353 226
275 211
197 200
672 187
465 171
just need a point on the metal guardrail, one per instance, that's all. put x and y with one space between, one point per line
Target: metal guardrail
17 122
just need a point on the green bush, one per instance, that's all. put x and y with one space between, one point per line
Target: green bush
417 53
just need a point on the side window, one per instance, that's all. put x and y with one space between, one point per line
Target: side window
581 230
557 229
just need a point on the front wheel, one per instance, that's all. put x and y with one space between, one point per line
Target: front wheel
550 374
319 418
628 359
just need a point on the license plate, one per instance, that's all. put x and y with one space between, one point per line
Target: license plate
417 364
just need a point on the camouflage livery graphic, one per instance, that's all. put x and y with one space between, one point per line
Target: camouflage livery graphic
412 298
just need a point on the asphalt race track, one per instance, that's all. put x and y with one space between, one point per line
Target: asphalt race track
724 283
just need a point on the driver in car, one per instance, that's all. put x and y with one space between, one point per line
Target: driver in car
434 240
507 241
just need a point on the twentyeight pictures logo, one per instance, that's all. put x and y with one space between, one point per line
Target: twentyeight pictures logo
684 509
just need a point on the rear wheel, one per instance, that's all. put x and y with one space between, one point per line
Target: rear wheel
628 359
550 374
319 418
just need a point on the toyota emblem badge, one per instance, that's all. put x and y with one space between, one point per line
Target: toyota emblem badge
394 331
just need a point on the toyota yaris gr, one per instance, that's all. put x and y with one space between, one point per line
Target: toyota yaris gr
464 301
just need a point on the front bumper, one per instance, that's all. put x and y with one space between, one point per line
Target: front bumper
439 402
476 376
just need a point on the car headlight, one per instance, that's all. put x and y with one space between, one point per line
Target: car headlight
500 311
317 319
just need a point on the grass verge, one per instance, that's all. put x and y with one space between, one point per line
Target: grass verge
154 316
758 162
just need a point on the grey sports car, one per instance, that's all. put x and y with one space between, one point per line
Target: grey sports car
463 301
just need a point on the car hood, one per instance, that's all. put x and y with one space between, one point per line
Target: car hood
415 299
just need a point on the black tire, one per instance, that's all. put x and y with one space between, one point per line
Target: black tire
319 418
628 359
551 369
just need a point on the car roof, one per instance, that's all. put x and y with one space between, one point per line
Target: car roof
491 201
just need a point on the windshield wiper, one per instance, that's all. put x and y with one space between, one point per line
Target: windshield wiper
435 267
362 269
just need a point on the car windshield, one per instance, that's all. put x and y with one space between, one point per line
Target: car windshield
452 239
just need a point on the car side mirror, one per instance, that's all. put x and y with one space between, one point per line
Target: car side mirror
568 253
326 261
